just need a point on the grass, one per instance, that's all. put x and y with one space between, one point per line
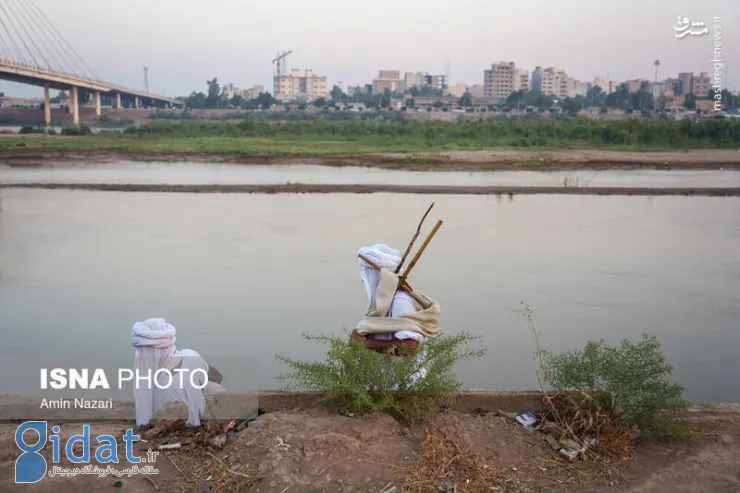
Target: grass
321 137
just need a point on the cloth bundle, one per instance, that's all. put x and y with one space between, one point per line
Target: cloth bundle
393 313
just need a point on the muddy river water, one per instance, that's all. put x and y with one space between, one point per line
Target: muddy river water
242 276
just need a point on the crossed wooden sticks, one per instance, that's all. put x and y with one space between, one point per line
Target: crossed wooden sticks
402 283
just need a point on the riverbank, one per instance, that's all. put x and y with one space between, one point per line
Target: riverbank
299 188
26 152
298 446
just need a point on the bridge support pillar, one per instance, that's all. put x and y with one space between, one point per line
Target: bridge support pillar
118 100
96 95
74 100
47 108
136 102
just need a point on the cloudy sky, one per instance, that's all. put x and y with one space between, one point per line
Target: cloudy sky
185 42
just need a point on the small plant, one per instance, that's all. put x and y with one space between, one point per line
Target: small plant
628 381
82 129
364 381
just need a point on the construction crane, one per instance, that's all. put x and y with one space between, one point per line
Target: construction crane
277 60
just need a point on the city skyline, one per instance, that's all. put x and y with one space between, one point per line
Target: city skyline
187 42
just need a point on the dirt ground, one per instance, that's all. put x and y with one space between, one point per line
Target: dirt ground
499 160
313 450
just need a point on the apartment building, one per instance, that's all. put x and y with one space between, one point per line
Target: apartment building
701 84
577 88
684 83
458 90
522 81
437 82
607 86
230 90
254 92
387 79
500 80
414 79
295 86
477 90
636 85
551 80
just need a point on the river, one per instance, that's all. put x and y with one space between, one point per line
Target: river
242 276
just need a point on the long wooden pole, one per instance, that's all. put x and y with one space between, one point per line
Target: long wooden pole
413 239
421 250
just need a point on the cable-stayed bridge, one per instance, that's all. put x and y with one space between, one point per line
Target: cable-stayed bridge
34 52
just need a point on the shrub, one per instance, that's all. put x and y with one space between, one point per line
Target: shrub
364 381
81 130
629 381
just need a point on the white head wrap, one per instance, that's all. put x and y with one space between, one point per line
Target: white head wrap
384 257
154 349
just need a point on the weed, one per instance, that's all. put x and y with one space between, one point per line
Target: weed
363 381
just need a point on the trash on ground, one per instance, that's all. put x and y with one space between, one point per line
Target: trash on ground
168 446
528 421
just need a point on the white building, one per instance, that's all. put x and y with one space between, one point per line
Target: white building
308 87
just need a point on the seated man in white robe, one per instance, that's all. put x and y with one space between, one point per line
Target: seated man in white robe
394 317
154 349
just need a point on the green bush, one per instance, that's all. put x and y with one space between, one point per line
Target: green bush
30 129
630 381
365 381
81 130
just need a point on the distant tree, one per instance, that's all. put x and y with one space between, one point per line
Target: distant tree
337 94
410 103
237 101
213 99
319 102
571 105
302 107
438 104
196 100
689 101
595 96
385 101
370 104
264 100
466 100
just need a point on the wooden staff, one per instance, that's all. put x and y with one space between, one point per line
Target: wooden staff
413 239
402 285
421 250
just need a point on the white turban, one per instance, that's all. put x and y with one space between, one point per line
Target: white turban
154 332
154 349
384 257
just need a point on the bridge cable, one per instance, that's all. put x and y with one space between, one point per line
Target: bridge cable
68 65
90 72
6 54
31 37
18 51
19 36
51 48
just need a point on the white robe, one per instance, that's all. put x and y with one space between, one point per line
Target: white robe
154 348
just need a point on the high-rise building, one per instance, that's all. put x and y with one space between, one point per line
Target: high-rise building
684 83
295 86
701 84
499 80
552 81
522 81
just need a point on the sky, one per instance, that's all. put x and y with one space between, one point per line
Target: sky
186 42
